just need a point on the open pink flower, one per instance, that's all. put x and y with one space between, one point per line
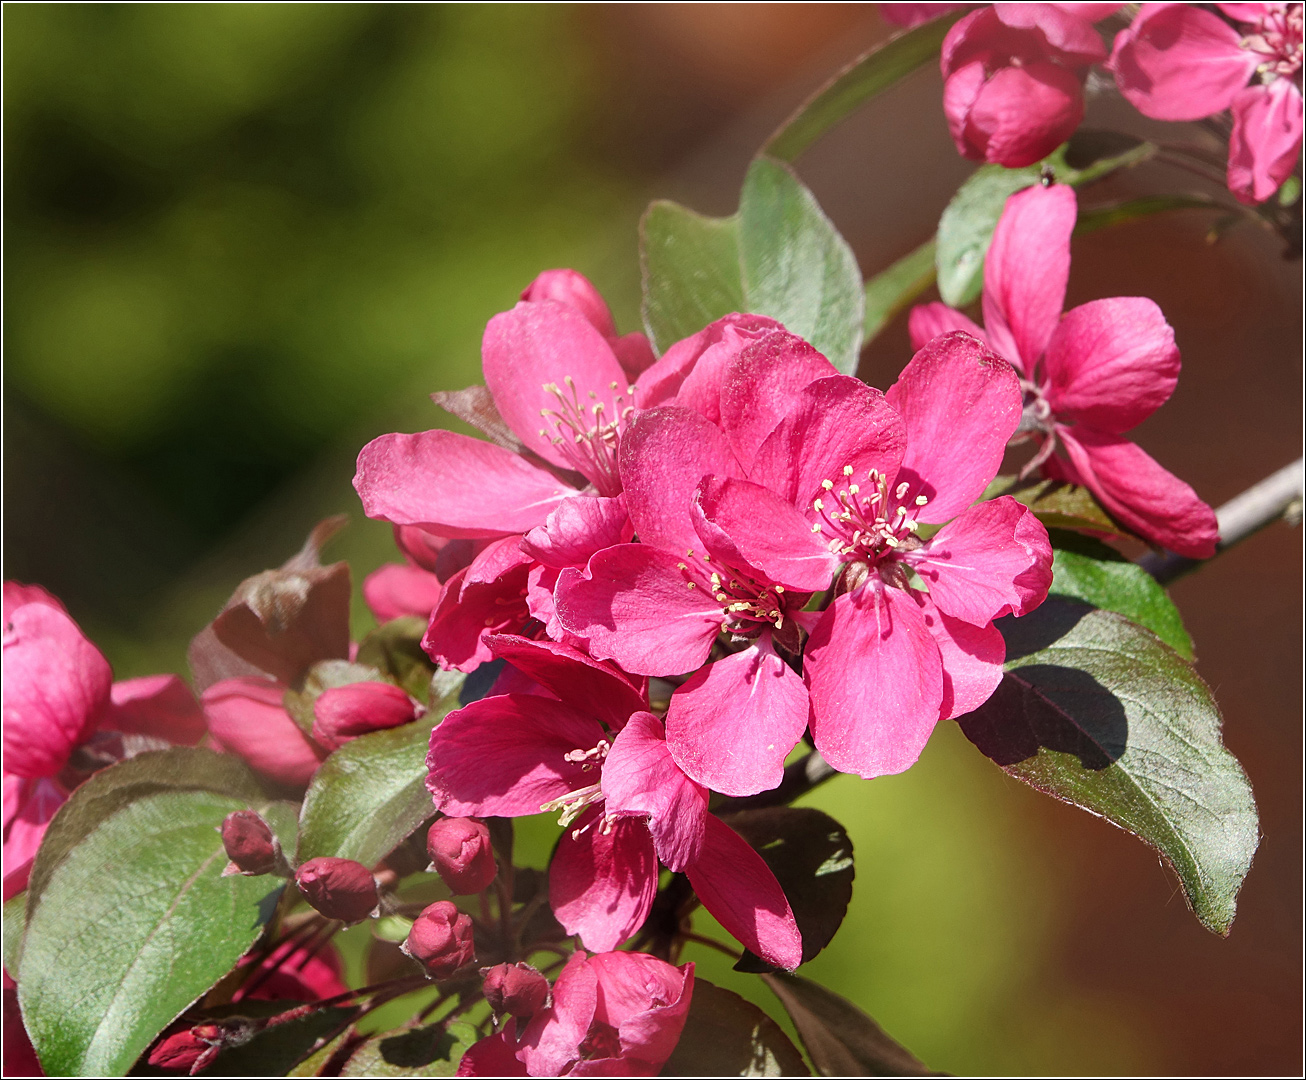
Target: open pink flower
1014 78
612 1014
594 753
414 587
1088 376
1181 62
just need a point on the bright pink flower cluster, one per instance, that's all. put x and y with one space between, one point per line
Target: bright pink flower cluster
793 550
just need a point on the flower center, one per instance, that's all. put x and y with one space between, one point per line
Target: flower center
748 607
867 526
1278 38
585 435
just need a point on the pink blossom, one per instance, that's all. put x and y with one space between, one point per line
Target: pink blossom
909 15
1182 62
342 713
1014 76
1088 376
247 717
613 1014
597 755
414 587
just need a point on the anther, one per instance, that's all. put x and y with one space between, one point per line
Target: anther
921 500
828 485
901 490
847 470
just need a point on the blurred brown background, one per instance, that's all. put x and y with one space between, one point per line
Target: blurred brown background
242 240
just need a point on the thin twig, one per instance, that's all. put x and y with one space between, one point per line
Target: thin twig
712 943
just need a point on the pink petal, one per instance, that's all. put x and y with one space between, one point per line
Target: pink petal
343 713
440 555
1024 113
506 756
634 353
1089 12
577 528
928 321
762 532
972 38
399 589
960 403
1069 35
572 288
641 607
247 717
741 892
961 91
597 689
994 560
454 485
1026 271
664 454
909 15
972 659
647 1001
545 344
839 422
56 684
1266 140
16 594
161 706
1112 363
1178 62
763 385
732 724
38 801
494 1055
551 1042
712 348
640 777
1154 503
603 878
876 681
488 597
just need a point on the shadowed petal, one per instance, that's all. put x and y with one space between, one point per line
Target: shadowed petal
928 321
592 687
247 716
397 589
1266 139
647 1001
162 706
602 879
1024 113
576 528
710 350
972 659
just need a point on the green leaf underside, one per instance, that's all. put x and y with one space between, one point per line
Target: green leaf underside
396 649
812 858
727 1036
1087 570
863 79
135 923
891 290
1100 713
15 920
840 1038
779 256
428 1051
967 224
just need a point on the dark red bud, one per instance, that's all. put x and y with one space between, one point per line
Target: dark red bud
250 843
180 1051
516 989
462 854
338 888
441 940
346 712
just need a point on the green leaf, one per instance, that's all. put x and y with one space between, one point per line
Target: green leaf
276 1049
893 289
428 1051
1057 505
15 922
135 922
1087 570
870 74
369 795
812 858
796 267
966 227
779 256
319 1059
841 1039
727 1036
1098 712
690 269
396 649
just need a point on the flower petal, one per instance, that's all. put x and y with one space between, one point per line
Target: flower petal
1068 32
642 607
1112 363
972 659
640 777
928 321
732 724
161 706
454 485
960 403
711 349
488 597
1266 139
506 756
16 594
573 289
576 528
646 1000
742 894
603 878
876 681
56 684
247 717
994 560
1155 503
397 589
342 713
1025 273
1024 113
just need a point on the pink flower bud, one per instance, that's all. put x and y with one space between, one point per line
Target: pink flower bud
250 844
441 940
461 852
346 712
338 888
516 989
182 1050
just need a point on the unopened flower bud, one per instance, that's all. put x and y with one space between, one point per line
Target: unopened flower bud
182 1050
250 844
462 854
346 712
516 989
441 940
338 888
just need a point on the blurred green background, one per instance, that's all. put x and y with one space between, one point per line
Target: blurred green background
241 240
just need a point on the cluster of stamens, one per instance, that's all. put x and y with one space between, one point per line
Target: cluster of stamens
1037 421
1279 40
745 604
862 526
585 436
574 803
